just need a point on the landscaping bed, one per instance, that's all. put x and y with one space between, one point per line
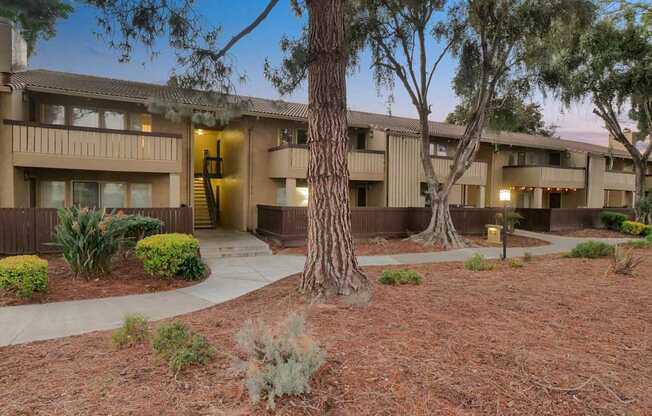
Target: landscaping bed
555 337
375 247
127 277
592 233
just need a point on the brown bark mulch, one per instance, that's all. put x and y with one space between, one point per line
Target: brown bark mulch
556 337
127 277
376 247
592 233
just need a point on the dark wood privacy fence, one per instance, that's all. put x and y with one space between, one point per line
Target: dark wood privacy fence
288 225
29 230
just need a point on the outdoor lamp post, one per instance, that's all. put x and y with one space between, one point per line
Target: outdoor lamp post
505 197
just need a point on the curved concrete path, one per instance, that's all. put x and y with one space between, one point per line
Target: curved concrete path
230 278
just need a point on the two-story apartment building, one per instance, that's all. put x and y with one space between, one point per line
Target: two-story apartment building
76 139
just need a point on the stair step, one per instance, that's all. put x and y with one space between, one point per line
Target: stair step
209 254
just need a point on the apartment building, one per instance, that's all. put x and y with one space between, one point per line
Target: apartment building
69 139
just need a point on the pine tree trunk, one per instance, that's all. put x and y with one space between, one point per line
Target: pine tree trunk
331 267
640 167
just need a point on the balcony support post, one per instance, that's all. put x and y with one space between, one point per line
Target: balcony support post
537 200
291 192
481 201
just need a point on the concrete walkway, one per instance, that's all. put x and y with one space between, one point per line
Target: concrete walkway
230 278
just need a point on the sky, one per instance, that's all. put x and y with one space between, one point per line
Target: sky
77 49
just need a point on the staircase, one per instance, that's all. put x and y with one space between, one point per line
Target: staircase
202 216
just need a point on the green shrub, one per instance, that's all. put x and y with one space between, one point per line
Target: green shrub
193 269
477 263
133 331
89 239
163 254
639 243
280 361
515 263
648 230
644 209
612 220
513 219
633 227
181 347
24 275
592 249
400 277
135 228
649 238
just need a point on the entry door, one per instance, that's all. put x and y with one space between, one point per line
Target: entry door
555 200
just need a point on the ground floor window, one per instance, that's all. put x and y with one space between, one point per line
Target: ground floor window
53 194
86 194
113 195
362 197
140 195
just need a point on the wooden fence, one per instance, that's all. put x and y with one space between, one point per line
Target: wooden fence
288 225
30 230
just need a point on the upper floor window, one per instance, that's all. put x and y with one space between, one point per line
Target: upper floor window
361 140
442 149
140 122
302 136
284 136
115 120
85 117
554 159
53 114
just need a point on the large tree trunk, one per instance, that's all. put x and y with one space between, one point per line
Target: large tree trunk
331 267
640 170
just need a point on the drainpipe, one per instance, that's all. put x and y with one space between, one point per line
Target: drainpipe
386 168
249 226
586 179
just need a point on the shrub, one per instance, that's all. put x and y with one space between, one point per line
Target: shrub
89 239
400 277
163 254
644 209
649 238
192 269
477 263
135 228
612 220
24 275
181 347
639 243
624 262
633 227
592 249
515 263
513 219
133 331
280 361
648 230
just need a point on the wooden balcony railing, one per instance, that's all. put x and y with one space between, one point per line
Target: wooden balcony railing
291 161
476 174
619 181
68 147
542 176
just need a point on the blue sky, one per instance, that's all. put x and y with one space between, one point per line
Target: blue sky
76 49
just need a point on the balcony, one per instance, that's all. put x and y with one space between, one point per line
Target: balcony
619 181
542 176
476 174
291 161
67 147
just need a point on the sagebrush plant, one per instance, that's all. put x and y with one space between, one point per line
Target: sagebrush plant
280 361
592 249
633 227
89 239
163 254
134 330
24 275
180 347
400 277
515 263
477 263
623 261
612 220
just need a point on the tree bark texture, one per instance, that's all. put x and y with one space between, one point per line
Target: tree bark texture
331 267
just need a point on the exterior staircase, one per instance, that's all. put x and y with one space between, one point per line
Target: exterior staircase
202 216
219 243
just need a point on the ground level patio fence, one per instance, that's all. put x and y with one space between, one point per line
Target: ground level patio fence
288 225
30 230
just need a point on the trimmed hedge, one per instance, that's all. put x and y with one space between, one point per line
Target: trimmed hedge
164 254
633 227
24 275
612 220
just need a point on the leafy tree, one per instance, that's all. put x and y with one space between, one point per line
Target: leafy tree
508 113
611 66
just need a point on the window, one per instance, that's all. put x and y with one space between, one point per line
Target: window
113 195
554 159
432 150
114 120
53 194
302 136
53 114
85 117
141 122
141 195
362 197
86 194
521 159
284 136
442 149
361 140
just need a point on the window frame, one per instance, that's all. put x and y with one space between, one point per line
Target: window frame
103 112
42 114
72 192
41 191
96 109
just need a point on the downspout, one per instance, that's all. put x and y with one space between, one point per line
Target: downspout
249 226
386 168
586 179
191 167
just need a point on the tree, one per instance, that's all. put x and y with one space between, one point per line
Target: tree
508 113
611 65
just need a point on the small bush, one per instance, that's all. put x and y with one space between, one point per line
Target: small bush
133 331
192 269
181 347
624 262
649 238
639 243
633 227
135 228
592 249
515 263
280 361
648 230
163 254
513 219
477 263
612 220
644 209
527 257
24 275
400 277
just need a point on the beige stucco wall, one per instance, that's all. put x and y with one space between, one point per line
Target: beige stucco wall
12 192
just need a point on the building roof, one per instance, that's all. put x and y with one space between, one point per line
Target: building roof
100 87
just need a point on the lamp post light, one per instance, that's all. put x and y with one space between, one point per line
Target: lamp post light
505 196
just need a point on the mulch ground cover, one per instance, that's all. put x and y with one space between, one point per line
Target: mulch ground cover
376 247
127 277
559 336
592 233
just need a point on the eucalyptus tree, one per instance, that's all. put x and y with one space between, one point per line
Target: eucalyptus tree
610 65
